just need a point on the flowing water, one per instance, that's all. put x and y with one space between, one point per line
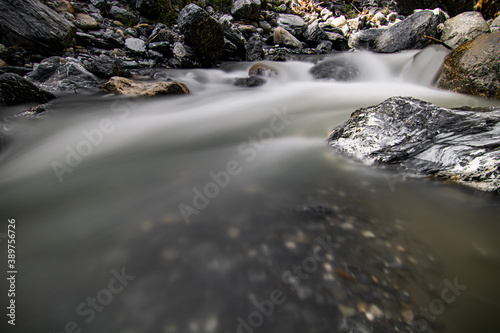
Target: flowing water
207 202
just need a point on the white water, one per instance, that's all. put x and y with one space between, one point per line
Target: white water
74 229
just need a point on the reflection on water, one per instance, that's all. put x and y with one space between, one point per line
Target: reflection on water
204 213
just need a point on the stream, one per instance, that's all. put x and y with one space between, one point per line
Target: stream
225 211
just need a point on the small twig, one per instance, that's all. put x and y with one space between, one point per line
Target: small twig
439 42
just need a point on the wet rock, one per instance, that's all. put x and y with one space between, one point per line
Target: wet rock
123 15
113 38
365 39
203 33
294 24
31 24
335 69
15 89
459 145
250 82
464 27
339 42
123 86
409 33
85 21
286 39
246 9
105 67
325 46
162 47
472 68
254 48
135 45
261 69
184 57
313 34
62 74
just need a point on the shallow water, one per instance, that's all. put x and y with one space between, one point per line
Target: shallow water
209 199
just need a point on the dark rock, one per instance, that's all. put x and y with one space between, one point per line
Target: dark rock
294 24
105 67
489 8
162 47
100 4
246 9
15 89
409 33
313 34
473 67
254 48
123 15
31 24
365 39
151 8
335 69
286 39
339 42
250 82
452 7
464 27
161 33
113 38
62 74
184 57
325 46
203 33
460 145
234 42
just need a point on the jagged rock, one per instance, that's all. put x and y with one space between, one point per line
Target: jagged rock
254 48
339 42
203 33
162 47
85 21
56 74
294 24
495 25
31 24
464 27
409 33
113 38
105 66
15 89
250 82
473 67
184 57
246 9
335 69
234 42
313 34
460 145
261 69
135 45
123 86
286 39
365 39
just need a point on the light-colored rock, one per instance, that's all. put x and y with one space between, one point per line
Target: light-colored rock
464 27
261 69
339 21
123 86
135 45
85 21
286 39
2 63
65 6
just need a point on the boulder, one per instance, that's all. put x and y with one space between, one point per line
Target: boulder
495 25
105 66
460 145
15 89
261 69
294 24
365 39
57 74
135 45
31 24
286 39
335 69
85 21
250 82
123 86
409 33
246 9
254 48
313 34
473 67
234 42
203 33
464 27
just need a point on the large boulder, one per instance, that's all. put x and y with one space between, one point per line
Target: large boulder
473 67
294 24
124 86
365 39
409 33
286 39
31 24
57 74
453 144
15 89
246 9
464 27
203 33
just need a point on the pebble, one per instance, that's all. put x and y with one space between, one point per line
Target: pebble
368 234
375 311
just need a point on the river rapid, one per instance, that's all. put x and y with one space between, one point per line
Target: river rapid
225 211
